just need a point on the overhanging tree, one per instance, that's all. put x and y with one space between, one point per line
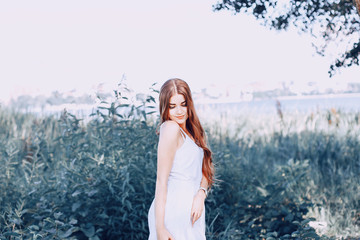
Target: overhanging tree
334 22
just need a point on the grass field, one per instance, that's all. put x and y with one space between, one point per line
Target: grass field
278 176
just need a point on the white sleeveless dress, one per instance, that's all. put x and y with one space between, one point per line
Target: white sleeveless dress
183 184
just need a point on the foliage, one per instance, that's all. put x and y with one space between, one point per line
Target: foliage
302 169
333 21
66 178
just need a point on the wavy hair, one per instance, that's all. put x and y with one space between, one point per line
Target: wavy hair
177 86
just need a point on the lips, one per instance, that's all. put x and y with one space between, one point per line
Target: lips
180 117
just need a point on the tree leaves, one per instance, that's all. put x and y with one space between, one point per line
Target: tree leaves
332 21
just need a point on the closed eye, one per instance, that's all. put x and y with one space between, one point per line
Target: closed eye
183 104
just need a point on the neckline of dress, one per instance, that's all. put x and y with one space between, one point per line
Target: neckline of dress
186 135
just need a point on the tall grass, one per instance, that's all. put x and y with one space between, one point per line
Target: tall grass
307 160
65 178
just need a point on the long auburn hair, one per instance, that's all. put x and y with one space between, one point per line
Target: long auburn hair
177 86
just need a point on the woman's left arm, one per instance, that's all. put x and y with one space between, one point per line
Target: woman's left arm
199 201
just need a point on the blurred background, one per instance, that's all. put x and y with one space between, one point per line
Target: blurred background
76 49
276 85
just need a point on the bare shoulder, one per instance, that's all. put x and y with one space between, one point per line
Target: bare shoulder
168 143
169 129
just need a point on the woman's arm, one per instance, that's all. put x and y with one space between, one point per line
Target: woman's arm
168 142
199 201
204 183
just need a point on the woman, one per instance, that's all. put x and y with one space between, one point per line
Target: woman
184 168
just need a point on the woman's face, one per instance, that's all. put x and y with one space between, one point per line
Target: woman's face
178 109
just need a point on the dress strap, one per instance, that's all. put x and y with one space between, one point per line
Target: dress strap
183 133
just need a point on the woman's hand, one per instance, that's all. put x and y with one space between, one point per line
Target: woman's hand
163 234
197 206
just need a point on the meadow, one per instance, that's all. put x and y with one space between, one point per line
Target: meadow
62 177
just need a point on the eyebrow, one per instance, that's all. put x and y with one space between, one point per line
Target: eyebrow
180 103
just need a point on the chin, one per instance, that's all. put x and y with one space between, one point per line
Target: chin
179 121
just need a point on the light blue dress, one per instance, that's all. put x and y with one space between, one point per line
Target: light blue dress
183 184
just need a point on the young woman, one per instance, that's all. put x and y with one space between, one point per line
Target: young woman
184 168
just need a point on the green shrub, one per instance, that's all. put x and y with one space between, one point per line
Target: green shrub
67 178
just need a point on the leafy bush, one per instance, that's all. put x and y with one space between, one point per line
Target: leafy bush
281 180
64 179
68 178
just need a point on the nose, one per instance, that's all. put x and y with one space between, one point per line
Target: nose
178 110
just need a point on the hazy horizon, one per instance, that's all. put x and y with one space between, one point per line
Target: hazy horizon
49 46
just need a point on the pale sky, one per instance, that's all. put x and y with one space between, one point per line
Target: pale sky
65 45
